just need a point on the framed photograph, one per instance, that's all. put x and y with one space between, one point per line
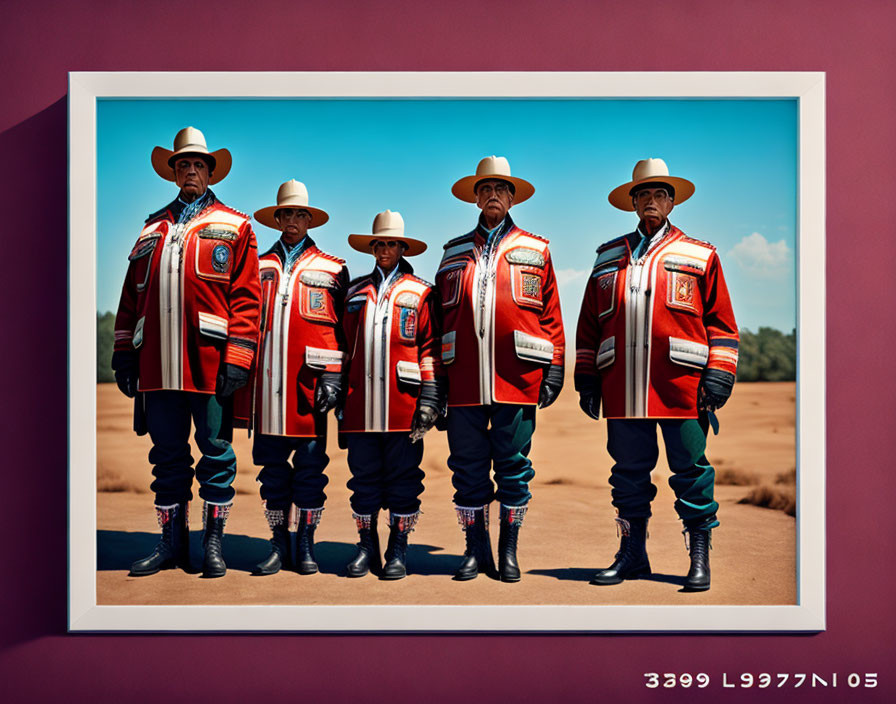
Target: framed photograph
754 146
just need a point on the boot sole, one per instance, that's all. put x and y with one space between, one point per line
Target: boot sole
308 570
607 583
213 575
393 577
692 588
464 578
510 580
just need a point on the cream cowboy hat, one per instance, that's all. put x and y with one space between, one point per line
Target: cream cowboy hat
492 167
191 141
291 194
650 171
387 225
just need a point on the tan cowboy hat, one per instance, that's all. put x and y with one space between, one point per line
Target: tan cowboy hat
650 171
492 167
291 194
387 225
191 141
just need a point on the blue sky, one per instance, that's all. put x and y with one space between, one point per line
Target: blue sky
359 157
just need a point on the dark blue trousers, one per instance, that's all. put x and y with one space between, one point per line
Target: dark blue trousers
496 436
168 421
385 471
302 482
633 446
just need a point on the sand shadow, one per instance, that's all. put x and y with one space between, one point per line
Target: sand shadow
116 550
584 574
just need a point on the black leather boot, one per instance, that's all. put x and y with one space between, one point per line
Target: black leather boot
308 522
281 552
173 550
511 520
478 555
397 547
213 538
700 545
631 561
367 558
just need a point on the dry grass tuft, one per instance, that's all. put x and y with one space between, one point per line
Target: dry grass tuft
733 476
777 498
788 477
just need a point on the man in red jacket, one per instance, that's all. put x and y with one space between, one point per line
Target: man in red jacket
393 393
657 344
185 338
502 348
298 375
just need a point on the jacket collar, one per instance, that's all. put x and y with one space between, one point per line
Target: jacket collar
404 267
481 231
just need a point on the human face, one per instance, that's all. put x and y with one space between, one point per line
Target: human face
387 253
191 174
494 198
653 206
293 223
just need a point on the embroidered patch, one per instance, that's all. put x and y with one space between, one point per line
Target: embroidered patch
606 281
315 300
407 323
449 286
683 290
217 233
320 279
524 255
531 286
221 258
144 246
407 300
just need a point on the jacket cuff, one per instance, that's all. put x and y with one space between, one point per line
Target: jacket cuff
239 353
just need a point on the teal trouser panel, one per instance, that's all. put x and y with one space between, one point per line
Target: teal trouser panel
633 446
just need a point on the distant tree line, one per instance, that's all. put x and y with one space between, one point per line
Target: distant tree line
105 340
767 355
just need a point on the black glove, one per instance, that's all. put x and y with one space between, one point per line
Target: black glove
550 385
124 364
424 418
230 378
589 395
715 388
430 407
328 391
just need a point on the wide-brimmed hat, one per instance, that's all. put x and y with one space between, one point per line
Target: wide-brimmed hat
387 225
191 141
650 171
291 194
492 167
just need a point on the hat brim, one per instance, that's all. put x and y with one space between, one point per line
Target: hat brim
362 243
464 188
266 215
620 197
161 156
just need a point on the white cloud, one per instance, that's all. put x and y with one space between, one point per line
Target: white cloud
758 257
565 276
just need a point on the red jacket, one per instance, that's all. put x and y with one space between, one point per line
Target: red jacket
501 323
648 328
392 345
190 298
299 339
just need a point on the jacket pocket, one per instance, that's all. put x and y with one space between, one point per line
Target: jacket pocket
682 283
141 257
533 349
449 281
316 302
213 326
408 372
606 353
606 279
688 353
320 358
526 284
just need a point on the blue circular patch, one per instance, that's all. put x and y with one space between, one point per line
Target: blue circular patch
221 258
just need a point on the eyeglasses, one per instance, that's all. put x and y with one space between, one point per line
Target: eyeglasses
384 243
647 195
498 189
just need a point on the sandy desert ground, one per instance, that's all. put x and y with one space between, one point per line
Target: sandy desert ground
568 533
